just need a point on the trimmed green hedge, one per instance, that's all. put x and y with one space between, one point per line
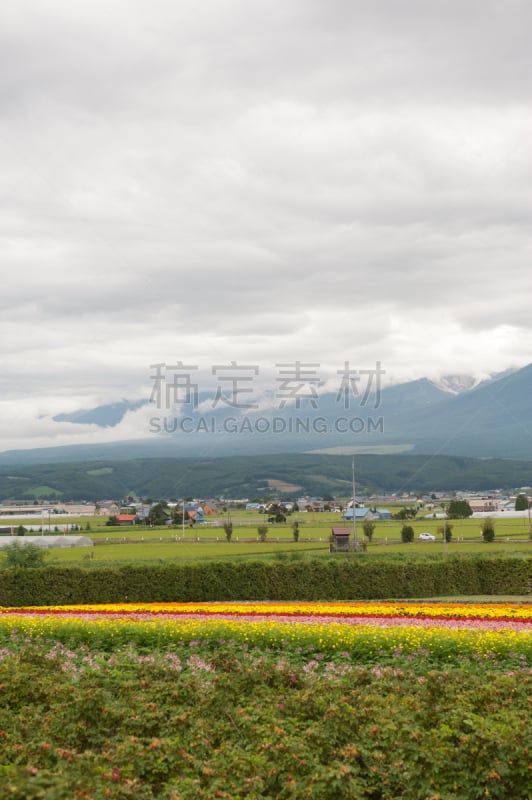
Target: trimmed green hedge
280 580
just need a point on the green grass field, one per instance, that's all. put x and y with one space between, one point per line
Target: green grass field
207 541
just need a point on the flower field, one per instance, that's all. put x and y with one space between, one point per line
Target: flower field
266 700
447 631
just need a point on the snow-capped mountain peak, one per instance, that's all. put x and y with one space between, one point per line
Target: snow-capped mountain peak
457 384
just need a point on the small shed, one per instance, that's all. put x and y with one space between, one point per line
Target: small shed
341 537
126 519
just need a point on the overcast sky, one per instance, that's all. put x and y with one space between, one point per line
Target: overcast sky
232 180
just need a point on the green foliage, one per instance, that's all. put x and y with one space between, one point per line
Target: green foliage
201 722
178 518
314 579
488 529
228 528
459 509
407 534
276 512
406 513
42 491
159 514
368 526
295 530
262 530
446 531
21 530
317 474
521 502
23 555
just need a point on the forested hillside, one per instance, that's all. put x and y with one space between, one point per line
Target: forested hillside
249 476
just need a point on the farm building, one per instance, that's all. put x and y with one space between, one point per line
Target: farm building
361 514
126 519
47 541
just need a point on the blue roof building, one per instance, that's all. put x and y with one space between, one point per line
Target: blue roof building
360 514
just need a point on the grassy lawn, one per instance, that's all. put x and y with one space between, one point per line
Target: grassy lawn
166 551
191 550
310 526
207 541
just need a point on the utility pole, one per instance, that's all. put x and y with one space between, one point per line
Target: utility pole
354 510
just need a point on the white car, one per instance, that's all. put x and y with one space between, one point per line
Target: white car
427 537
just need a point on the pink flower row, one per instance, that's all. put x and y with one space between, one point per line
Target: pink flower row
310 619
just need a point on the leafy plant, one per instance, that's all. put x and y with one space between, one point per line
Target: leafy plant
406 513
446 531
23 555
521 502
228 528
368 526
262 530
407 534
459 509
159 514
295 530
488 529
276 512
197 723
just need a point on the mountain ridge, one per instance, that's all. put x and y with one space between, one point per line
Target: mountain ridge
490 420
252 476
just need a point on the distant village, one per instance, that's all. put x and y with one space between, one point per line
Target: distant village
134 511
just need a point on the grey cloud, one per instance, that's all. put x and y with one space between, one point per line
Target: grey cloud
241 178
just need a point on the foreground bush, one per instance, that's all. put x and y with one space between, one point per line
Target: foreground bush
248 723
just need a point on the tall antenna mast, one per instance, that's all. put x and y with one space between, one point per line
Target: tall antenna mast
354 510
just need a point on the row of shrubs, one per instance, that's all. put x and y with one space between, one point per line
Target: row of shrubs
279 580
200 723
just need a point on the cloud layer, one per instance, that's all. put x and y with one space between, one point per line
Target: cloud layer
234 180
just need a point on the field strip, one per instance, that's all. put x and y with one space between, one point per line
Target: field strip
492 616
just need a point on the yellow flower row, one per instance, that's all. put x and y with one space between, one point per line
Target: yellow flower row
330 637
494 611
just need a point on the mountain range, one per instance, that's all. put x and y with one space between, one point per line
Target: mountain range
106 416
457 417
